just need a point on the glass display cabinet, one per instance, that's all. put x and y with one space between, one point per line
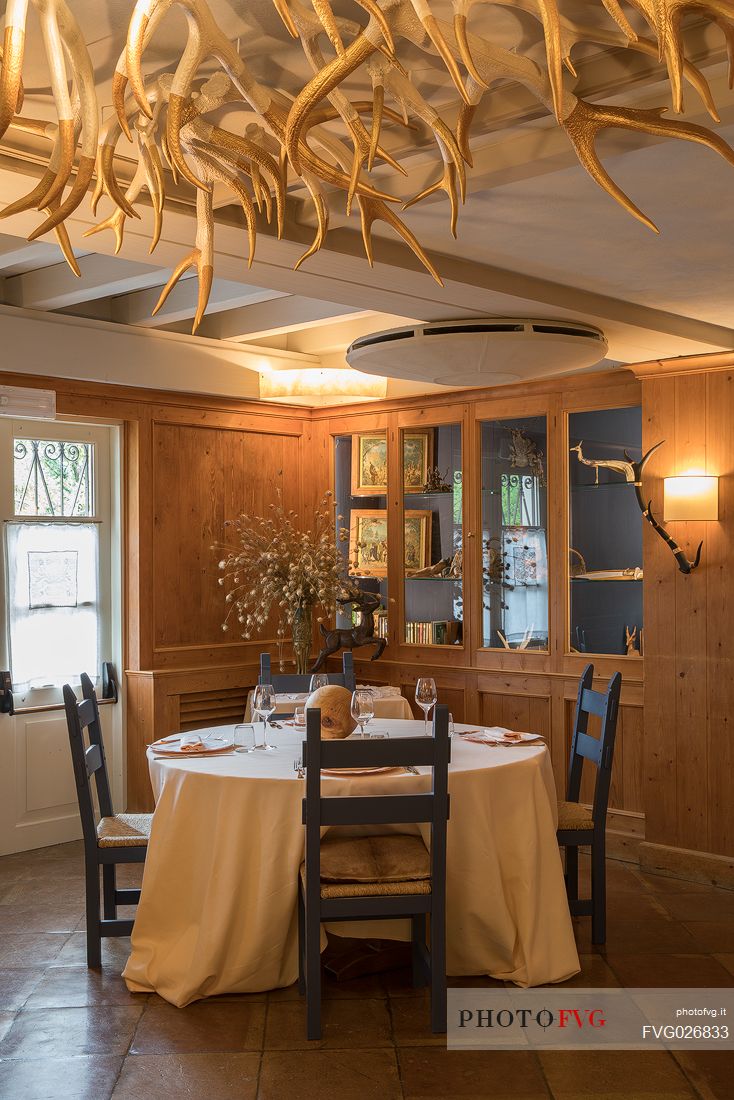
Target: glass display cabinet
432 522
605 533
527 540
514 508
360 487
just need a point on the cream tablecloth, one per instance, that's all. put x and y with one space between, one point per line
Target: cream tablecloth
386 706
218 907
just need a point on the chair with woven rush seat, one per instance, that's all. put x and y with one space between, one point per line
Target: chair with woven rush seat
375 877
581 826
292 682
116 838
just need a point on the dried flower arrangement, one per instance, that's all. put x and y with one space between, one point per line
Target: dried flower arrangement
275 567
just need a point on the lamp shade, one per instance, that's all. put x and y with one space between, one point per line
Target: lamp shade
692 497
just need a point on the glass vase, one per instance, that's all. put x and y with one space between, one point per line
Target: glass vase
302 634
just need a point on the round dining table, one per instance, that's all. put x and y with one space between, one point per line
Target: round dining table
218 906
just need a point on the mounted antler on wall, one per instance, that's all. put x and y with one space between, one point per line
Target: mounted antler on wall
633 476
166 117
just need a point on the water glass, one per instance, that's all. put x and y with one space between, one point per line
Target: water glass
426 697
263 704
299 717
319 680
363 707
244 737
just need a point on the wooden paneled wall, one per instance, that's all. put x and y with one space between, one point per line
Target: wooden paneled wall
192 462
689 621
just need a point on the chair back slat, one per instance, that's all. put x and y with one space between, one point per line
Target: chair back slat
82 720
589 747
382 753
293 683
600 751
86 712
594 702
377 809
93 759
410 808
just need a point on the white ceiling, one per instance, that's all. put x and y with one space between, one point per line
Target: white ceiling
536 236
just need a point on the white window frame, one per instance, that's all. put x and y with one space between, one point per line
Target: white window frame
66 430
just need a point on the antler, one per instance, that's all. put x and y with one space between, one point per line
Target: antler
330 140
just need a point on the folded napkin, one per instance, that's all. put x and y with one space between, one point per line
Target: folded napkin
497 735
196 745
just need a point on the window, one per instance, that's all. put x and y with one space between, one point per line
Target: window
52 477
52 545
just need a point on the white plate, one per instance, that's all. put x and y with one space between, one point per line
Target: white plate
210 744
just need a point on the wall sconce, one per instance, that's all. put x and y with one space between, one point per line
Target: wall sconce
691 498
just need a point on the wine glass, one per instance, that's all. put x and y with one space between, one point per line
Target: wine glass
319 680
363 708
426 697
263 703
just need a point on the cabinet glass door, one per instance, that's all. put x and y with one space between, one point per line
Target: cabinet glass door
360 483
605 550
432 536
514 533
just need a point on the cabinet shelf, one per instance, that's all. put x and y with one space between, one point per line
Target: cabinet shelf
448 493
608 580
451 580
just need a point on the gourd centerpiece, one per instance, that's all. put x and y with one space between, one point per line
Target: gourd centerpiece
336 711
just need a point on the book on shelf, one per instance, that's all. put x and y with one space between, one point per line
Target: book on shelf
438 632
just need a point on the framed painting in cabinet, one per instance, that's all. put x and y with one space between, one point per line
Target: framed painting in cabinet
368 541
369 462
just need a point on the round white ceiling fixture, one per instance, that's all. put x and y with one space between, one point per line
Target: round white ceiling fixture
492 351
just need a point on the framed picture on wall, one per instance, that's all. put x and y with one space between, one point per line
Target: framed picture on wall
369 462
368 541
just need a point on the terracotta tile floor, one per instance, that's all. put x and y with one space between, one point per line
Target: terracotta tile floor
67 1033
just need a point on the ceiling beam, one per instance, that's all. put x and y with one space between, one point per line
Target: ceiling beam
256 322
57 287
181 304
398 285
16 253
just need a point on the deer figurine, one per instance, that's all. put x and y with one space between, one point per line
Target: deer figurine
363 634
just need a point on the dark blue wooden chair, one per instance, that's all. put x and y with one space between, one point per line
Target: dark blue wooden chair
293 682
581 826
416 886
115 838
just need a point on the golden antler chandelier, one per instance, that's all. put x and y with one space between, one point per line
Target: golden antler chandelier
324 139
